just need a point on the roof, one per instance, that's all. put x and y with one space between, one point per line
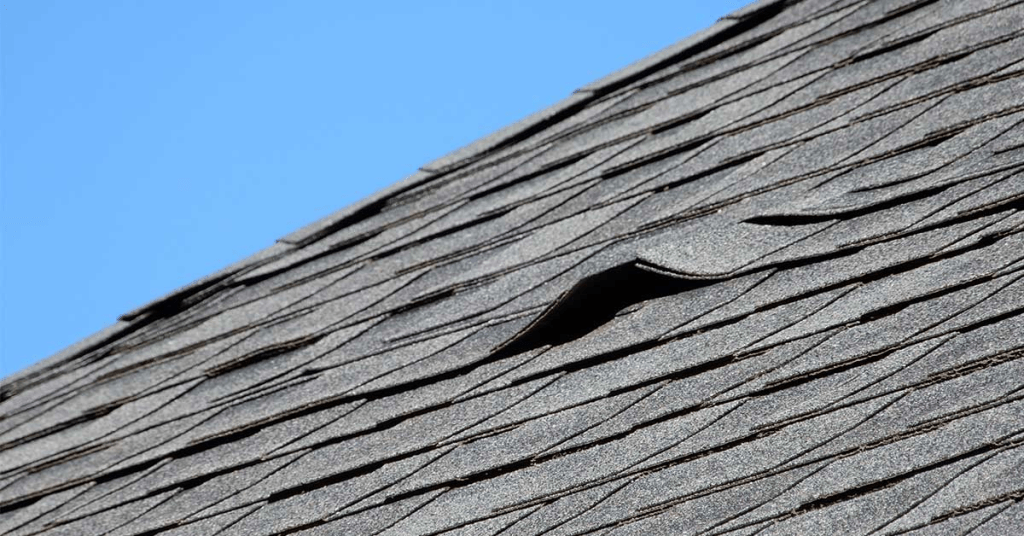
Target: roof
766 281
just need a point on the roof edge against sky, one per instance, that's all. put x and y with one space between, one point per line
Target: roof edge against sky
726 27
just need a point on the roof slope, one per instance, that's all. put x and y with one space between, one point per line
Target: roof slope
767 281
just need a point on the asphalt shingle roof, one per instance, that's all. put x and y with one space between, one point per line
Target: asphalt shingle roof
769 280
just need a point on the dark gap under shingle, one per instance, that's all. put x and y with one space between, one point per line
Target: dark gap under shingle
423 301
909 8
264 354
680 121
138 468
90 415
927 142
25 503
594 301
899 306
725 166
807 219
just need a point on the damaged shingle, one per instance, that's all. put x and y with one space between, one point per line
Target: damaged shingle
769 280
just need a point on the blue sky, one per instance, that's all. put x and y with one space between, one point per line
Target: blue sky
144 144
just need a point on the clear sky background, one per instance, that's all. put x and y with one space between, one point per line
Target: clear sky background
145 144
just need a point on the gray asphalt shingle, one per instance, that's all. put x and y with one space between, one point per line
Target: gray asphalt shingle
766 281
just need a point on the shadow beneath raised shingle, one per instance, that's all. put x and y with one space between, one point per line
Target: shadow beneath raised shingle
594 301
